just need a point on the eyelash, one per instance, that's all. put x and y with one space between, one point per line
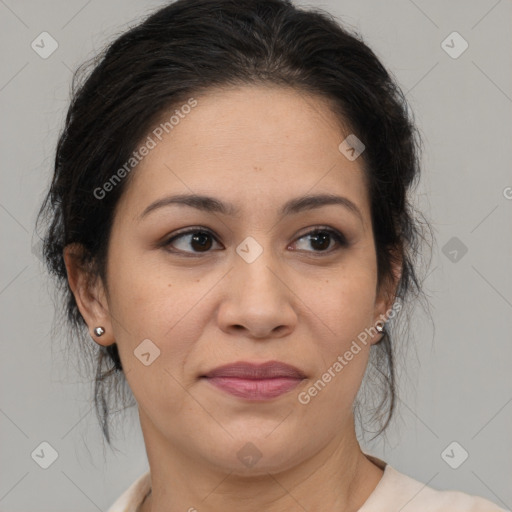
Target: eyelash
335 235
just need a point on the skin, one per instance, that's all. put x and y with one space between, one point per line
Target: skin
255 147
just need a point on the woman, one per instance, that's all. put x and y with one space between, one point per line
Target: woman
231 225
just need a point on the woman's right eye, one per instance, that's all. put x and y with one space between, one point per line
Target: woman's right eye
199 240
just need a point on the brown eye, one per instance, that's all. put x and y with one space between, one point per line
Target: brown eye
320 239
201 241
192 241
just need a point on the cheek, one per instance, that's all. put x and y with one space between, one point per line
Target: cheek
147 299
343 350
345 307
155 339
152 303
345 304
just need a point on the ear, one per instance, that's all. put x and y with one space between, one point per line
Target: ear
89 293
386 294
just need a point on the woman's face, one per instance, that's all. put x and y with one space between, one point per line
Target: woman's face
254 288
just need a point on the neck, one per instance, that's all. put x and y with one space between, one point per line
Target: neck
339 477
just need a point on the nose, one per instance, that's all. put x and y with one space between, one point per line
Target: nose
258 302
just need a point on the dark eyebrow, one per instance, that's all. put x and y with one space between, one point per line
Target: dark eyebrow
212 205
205 203
304 203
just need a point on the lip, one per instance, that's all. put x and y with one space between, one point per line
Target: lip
246 370
255 381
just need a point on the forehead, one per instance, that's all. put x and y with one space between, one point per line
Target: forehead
250 145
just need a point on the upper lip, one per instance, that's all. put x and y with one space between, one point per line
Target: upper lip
245 370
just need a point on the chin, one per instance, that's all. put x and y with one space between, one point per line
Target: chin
256 455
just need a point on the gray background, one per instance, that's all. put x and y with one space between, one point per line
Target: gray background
457 384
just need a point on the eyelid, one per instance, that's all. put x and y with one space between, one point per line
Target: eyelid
320 227
189 230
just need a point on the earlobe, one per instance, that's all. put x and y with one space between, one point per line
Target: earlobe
89 294
386 297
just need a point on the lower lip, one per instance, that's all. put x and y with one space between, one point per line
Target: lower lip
255 389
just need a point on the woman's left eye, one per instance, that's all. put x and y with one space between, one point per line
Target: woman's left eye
321 238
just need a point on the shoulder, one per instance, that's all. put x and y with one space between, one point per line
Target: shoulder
418 496
133 496
397 491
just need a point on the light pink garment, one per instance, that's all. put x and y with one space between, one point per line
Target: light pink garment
394 492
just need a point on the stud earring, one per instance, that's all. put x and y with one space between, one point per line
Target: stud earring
99 331
380 327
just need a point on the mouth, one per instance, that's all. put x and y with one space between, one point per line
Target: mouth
256 382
